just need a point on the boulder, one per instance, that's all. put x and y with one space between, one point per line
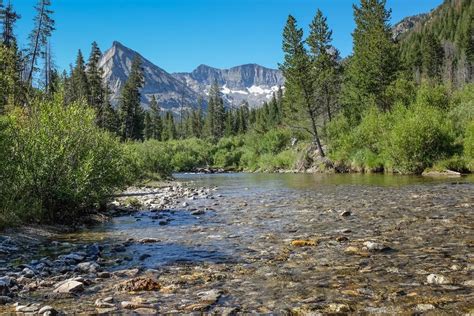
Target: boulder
69 286
88 267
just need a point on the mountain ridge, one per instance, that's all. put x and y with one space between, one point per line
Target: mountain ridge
169 92
249 82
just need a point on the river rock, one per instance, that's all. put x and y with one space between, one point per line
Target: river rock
69 286
88 267
421 308
144 257
210 297
338 308
198 212
133 305
104 275
99 303
107 311
469 283
145 311
27 308
127 273
374 246
72 257
304 243
28 273
47 310
5 300
345 213
437 279
148 240
139 284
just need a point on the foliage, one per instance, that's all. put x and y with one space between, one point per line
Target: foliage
63 165
131 113
374 64
302 108
420 136
469 146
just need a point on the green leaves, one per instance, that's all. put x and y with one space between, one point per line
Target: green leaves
60 163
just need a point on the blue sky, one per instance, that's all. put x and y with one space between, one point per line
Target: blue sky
178 35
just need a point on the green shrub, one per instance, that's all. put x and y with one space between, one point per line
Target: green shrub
469 146
462 109
454 163
360 147
433 95
152 158
228 153
62 164
420 136
284 160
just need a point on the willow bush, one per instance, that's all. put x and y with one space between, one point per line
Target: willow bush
61 165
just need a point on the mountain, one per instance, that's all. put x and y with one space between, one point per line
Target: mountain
441 43
252 83
408 24
170 92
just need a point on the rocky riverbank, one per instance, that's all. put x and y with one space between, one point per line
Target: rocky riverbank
42 273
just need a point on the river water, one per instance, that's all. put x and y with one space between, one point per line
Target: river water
242 244
298 243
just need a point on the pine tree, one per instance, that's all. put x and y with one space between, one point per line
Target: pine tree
432 56
130 110
373 65
219 111
210 116
274 111
94 77
10 81
169 130
197 122
44 26
148 130
229 124
8 16
324 58
79 82
108 118
11 86
155 117
302 110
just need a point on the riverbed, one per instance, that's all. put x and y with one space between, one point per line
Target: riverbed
282 243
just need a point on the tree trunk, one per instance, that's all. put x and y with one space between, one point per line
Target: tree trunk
313 120
35 50
316 139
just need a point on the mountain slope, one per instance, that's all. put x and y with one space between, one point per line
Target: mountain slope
252 83
442 43
408 24
170 92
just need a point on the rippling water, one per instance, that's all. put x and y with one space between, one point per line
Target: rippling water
247 230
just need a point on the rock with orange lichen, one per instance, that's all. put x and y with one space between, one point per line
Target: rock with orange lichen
139 284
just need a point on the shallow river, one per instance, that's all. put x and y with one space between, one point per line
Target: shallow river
247 231
298 243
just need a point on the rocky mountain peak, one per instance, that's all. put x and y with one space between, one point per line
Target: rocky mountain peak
250 82
170 92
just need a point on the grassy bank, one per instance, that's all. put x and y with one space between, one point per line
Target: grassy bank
430 127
